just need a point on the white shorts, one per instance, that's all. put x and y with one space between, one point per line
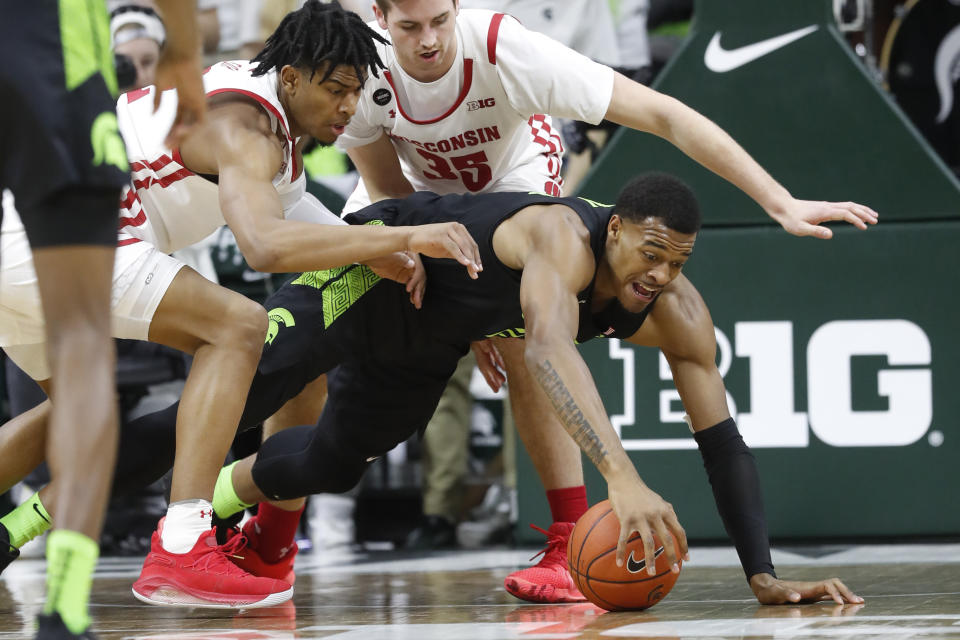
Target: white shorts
141 277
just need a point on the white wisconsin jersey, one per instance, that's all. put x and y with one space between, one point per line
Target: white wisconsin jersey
167 204
481 127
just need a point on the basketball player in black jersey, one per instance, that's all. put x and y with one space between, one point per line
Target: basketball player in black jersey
558 270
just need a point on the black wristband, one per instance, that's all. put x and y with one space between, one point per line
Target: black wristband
733 474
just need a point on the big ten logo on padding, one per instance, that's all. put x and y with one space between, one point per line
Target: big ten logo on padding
903 382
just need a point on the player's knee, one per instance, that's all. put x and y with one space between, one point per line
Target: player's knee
348 477
245 324
337 468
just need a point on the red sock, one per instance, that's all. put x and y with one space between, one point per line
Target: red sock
567 504
277 529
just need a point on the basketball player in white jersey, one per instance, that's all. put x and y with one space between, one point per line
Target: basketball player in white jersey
458 110
241 167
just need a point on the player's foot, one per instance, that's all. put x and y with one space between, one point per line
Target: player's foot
205 577
51 627
434 532
8 552
549 580
248 557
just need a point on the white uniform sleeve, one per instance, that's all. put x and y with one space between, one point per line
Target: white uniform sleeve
362 129
540 75
309 209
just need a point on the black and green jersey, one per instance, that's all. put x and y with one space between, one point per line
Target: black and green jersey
458 308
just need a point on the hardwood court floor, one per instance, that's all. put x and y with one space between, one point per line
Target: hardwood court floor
911 592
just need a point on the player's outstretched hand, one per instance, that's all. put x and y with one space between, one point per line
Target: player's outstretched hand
642 510
770 590
447 240
804 217
183 74
490 363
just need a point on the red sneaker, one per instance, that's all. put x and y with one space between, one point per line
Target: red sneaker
204 577
549 580
249 559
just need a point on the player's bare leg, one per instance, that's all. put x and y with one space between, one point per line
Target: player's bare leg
224 331
271 534
23 442
556 458
74 284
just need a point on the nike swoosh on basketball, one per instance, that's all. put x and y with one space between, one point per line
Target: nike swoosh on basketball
720 60
636 566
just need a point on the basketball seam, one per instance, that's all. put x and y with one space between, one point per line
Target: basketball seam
582 544
587 535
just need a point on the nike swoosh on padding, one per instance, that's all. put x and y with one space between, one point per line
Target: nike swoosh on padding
720 60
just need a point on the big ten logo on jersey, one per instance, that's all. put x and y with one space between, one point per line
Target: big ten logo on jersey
483 103
868 383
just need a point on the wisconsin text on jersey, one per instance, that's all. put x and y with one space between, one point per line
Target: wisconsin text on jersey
460 141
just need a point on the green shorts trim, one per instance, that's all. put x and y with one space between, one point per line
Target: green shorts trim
339 287
85 37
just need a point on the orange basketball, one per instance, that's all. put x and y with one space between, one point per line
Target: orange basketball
592 554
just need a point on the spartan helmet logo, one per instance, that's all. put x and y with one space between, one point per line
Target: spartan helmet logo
946 71
278 317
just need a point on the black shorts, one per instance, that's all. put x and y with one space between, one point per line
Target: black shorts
386 374
58 124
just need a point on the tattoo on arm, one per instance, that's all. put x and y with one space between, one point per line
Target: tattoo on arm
569 413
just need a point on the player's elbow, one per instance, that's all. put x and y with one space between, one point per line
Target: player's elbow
537 353
261 256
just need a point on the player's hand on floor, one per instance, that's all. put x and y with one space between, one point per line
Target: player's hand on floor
770 590
490 363
447 240
643 511
804 217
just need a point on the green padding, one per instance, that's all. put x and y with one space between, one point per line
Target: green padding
869 322
807 111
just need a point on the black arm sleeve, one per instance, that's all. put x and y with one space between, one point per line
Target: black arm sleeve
733 475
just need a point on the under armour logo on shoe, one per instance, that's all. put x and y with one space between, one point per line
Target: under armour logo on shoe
393 114
206 513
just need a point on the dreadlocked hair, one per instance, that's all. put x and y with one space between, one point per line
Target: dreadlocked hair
317 33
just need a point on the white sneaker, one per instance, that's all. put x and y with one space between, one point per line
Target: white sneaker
330 518
491 521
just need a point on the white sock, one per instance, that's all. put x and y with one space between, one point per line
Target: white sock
186 521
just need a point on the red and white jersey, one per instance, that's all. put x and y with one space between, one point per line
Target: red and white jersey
481 127
167 204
